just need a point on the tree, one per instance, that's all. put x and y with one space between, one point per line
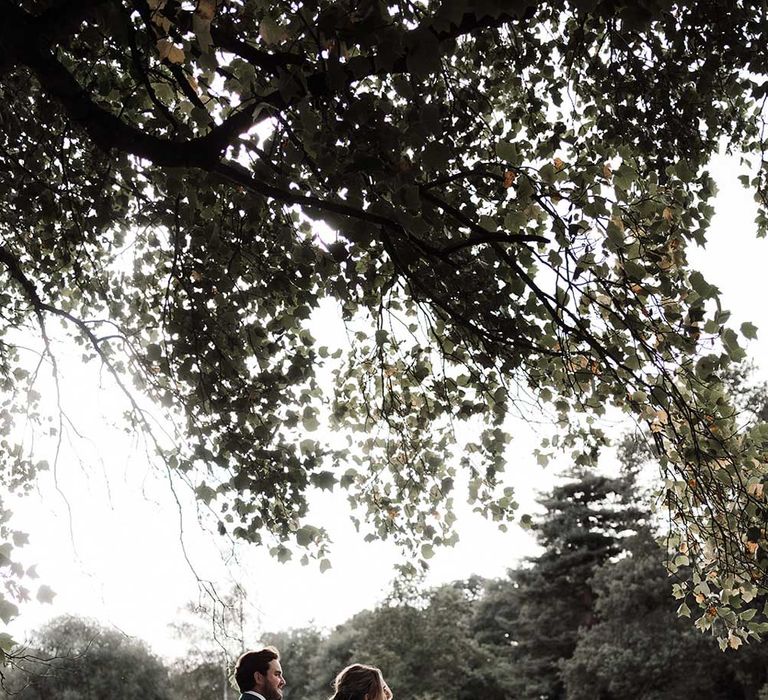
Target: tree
534 620
214 629
76 659
335 653
298 649
199 678
422 643
491 626
511 190
425 644
640 648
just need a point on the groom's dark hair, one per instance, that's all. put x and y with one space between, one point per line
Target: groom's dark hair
253 662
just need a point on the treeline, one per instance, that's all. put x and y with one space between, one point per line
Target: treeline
591 617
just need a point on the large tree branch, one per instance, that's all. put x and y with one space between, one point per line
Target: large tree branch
110 132
224 39
22 44
22 40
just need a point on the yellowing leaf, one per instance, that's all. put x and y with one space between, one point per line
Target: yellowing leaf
509 178
559 164
667 214
607 172
160 20
206 9
169 51
579 362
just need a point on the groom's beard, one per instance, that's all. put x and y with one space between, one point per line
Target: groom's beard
272 694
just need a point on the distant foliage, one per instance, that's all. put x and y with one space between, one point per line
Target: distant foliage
77 659
590 618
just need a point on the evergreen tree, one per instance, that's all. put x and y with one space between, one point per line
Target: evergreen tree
544 605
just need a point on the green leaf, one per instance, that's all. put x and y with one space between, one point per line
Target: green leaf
507 151
748 614
423 56
749 330
8 610
323 480
5 554
45 594
731 343
306 535
309 419
436 155
272 32
6 642
282 553
701 286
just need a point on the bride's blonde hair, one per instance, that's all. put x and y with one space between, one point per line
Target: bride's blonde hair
360 682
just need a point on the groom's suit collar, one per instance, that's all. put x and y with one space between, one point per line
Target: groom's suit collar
248 694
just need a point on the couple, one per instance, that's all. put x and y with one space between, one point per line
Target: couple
260 677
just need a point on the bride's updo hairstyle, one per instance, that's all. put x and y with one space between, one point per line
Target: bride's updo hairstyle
360 682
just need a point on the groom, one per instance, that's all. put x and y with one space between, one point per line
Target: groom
258 675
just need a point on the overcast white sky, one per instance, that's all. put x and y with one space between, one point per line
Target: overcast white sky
123 563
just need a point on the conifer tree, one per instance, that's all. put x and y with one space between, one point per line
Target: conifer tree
548 602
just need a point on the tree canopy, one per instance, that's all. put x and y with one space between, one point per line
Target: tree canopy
508 191
73 658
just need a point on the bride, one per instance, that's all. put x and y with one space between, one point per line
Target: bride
361 682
